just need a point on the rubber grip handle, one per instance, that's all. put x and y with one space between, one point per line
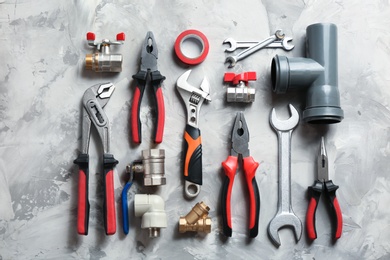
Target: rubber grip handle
82 201
136 106
250 167
109 196
337 217
157 80
193 155
230 168
125 208
314 193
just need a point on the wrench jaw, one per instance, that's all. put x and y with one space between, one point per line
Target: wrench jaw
287 219
232 60
232 43
284 125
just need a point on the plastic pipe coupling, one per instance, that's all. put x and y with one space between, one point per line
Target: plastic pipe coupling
102 60
317 73
152 210
196 220
152 166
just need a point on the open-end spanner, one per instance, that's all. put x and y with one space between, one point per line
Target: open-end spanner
234 45
285 215
279 35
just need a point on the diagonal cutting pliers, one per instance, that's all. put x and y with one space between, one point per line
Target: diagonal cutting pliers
323 185
94 100
149 56
240 140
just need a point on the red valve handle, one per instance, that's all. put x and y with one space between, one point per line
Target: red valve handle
91 36
236 78
120 36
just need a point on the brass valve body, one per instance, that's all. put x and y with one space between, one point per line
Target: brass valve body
196 220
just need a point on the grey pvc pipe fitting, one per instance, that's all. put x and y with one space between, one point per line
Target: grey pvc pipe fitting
317 73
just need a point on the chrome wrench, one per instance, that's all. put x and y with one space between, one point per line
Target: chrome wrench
285 215
234 45
279 35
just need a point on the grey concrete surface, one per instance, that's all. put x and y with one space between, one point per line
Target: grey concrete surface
42 80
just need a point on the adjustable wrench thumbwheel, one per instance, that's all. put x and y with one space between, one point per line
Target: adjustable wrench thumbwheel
285 215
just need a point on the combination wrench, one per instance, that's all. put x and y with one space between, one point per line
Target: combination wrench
234 45
285 215
279 35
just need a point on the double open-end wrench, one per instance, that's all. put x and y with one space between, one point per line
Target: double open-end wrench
285 215
234 45
279 35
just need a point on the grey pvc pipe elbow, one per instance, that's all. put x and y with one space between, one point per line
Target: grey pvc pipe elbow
317 73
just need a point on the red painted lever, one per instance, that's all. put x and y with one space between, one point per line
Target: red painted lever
120 36
91 36
236 78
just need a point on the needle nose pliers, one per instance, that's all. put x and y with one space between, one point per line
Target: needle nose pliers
149 56
323 185
240 140
94 100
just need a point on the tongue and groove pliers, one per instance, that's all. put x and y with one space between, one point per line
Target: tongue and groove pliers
94 100
240 148
149 56
323 185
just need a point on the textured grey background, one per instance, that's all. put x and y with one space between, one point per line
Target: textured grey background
42 80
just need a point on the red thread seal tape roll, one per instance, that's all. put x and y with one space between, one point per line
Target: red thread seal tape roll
192 34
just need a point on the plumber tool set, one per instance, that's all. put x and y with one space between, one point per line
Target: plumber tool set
240 141
193 99
94 100
197 220
241 92
285 215
102 60
317 73
152 166
323 185
149 56
278 36
192 35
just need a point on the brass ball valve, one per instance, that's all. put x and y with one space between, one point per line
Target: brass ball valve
102 60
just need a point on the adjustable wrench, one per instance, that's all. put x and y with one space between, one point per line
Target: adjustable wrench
193 99
279 35
285 215
234 45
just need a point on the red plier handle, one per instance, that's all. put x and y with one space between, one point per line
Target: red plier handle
82 201
109 163
250 167
315 192
156 81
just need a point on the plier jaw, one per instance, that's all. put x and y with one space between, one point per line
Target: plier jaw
149 53
240 137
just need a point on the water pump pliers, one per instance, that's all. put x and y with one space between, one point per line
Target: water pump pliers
94 100
149 56
240 140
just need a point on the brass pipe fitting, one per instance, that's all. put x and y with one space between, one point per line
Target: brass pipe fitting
196 220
